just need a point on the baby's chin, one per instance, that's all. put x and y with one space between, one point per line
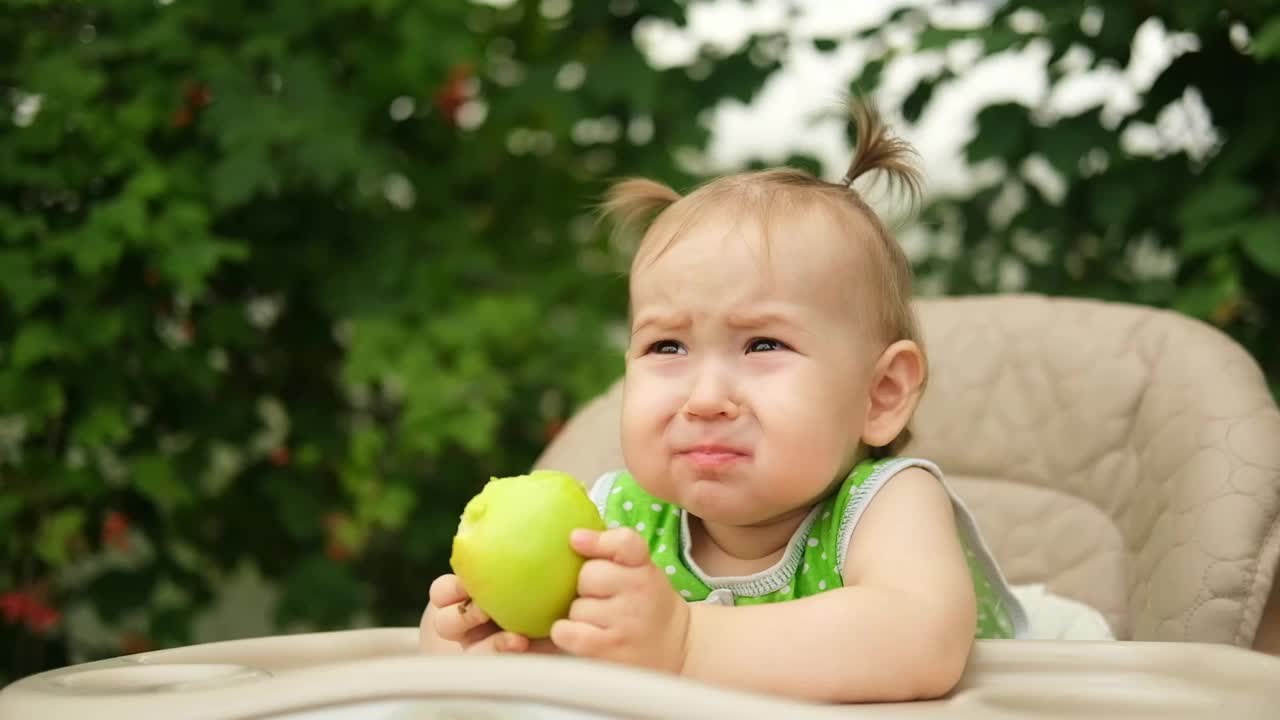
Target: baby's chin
721 502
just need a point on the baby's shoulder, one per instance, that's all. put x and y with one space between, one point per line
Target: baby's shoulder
883 468
868 479
871 475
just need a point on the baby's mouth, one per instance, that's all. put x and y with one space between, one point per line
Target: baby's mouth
709 456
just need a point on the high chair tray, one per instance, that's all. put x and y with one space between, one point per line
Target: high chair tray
378 674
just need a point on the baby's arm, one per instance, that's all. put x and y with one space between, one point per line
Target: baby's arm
901 628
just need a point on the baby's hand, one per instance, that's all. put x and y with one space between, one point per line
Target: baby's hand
626 609
456 619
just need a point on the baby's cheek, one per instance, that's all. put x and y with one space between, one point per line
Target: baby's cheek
814 449
643 444
639 421
647 409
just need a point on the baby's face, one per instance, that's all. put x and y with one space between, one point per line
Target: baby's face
747 370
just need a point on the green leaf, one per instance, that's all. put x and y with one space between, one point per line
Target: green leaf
1262 243
117 592
24 282
15 226
240 175
126 216
189 264
1001 38
367 446
1065 142
1114 203
1203 239
869 77
934 38
915 103
96 327
103 425
1266 42
298 507
319 592
36 341
621 74
37 398
1217 200
392 506
806 162
1201 299
154 477
1118 27
172 627
1218 286
10 504
1245 148
825 45
53 540
1002 134
98 243
309 456
1190 16
350 534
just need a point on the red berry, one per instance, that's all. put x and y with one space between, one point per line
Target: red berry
41 618
115 530
14 605
336 551
281 456
454 92
197 95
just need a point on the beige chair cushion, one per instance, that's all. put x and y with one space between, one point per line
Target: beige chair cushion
1125 457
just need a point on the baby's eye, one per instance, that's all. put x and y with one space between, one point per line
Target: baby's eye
765 345
667 347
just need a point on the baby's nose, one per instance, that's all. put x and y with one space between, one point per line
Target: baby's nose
711 395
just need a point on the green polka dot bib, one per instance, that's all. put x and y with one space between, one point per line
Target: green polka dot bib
815 556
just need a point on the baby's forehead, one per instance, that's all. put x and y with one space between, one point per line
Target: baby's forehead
778 239
741 262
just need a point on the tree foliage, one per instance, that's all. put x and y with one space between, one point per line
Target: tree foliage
284 283
1079 203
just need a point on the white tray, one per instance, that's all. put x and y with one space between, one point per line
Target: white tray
380 675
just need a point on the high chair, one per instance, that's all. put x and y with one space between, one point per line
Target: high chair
1125 458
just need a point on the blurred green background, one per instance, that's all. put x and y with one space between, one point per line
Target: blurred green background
282 284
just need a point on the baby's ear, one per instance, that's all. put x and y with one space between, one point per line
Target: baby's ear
893 393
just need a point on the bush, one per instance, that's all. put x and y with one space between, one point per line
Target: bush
1073 209
281 284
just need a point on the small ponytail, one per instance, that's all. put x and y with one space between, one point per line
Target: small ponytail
633 203
876 149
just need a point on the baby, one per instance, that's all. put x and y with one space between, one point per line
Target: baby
766 533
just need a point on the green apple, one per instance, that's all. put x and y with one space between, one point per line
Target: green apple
512 551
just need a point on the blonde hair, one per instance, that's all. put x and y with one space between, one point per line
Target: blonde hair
659 214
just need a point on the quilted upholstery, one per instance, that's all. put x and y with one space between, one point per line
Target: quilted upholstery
1126 457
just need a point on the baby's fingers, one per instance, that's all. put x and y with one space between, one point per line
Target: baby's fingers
581 639
453 622
447 590
477 643
623 546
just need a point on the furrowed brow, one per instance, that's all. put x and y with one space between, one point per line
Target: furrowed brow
660 320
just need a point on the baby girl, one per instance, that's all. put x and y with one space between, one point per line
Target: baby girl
767 533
